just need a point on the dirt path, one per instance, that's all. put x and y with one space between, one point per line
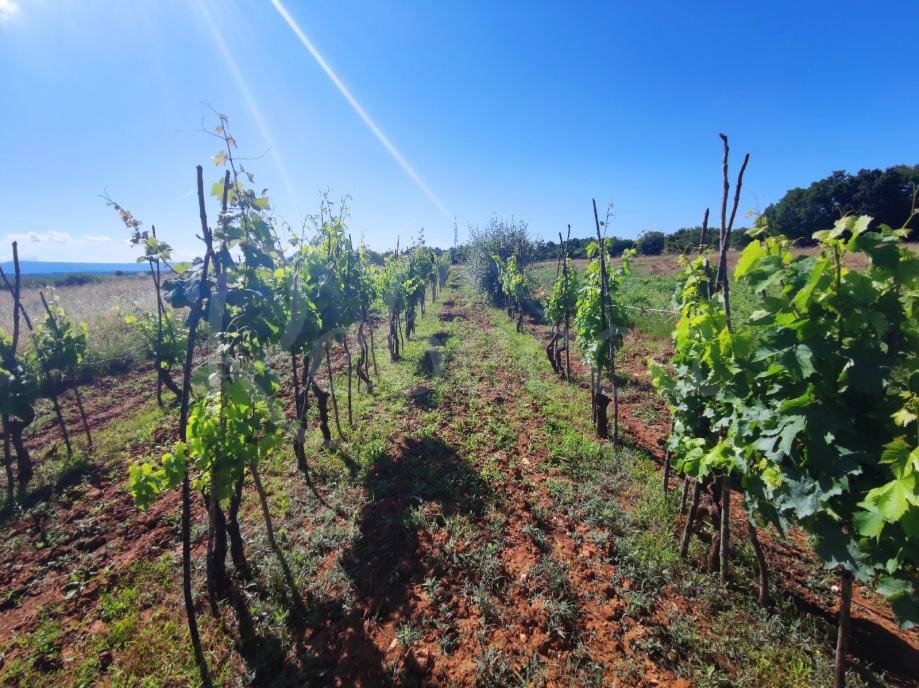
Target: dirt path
484 554
485 584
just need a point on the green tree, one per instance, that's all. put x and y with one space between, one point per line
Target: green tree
650 243
885 195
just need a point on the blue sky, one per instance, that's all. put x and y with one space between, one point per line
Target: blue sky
527 109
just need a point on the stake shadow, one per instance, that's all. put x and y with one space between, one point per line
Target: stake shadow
264 654
72 472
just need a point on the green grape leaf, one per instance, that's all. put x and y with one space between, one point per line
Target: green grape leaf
804 356
869 523
905 608
891 500
833 546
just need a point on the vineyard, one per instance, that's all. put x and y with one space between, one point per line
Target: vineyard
295 461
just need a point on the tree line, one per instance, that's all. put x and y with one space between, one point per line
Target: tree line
887 196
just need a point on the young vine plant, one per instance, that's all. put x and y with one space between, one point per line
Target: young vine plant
514 286
811 407
600 321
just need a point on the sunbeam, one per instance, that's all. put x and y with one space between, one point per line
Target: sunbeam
356 106
250 101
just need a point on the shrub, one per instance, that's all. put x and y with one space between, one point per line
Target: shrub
501 238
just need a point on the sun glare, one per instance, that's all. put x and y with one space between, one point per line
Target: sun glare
240 81
358 108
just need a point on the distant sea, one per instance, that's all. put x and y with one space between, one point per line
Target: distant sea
40 267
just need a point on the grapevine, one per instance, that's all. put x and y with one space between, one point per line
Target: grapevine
599 323
256 298
165 346
514 287
560 306
783 404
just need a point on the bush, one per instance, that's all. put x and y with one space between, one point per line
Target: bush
650 243
501 238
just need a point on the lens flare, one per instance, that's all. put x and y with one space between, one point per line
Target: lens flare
250 101
356 106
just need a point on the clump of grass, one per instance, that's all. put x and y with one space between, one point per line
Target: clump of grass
408 635
551 582
562 617
493 669
575 455
537 536
40 649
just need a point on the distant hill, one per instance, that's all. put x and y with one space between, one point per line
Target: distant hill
40 267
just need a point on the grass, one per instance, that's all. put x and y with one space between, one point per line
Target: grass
739 643
649 292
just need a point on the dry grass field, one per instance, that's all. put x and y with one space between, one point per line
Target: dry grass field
102 306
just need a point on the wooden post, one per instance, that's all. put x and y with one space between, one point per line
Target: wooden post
667 462
13 429
604 323
703 231
724 557
683 495
567 314
328 367
157 354
350 371
723 282
761 564
216 523
194 320
842 635
690 518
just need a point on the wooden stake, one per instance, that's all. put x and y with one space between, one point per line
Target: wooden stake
725 552
604 323
667 462
842 635
761 564
690 518
194 320
328 367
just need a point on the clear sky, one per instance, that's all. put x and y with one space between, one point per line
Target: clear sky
423 111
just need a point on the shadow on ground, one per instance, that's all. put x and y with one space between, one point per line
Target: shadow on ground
386 558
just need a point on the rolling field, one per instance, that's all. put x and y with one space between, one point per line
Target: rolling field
102 305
